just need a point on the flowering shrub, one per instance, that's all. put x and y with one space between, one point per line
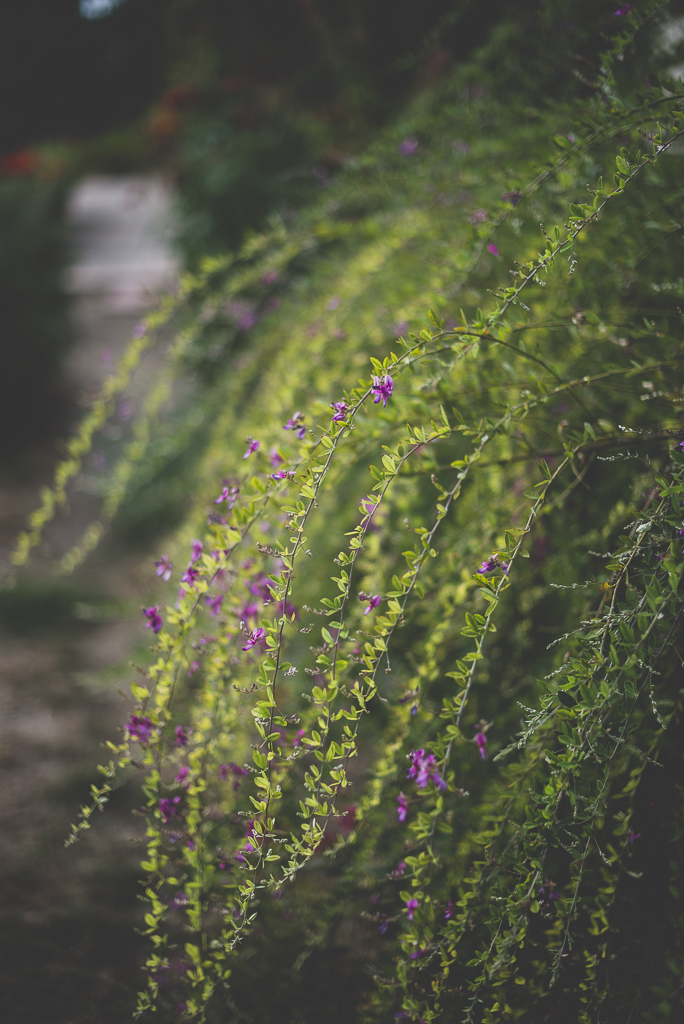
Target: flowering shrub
437 653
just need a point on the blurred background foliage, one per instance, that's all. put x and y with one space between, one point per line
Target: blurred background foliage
361 166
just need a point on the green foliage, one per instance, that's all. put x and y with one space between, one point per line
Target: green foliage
509 515
33 257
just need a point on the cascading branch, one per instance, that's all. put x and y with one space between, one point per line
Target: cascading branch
444 689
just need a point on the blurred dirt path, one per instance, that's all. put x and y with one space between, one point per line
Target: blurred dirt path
68 954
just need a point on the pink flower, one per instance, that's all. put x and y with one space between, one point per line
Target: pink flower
257 636
154 619
373 602
298 738
449 910
182 775
493 249
164 567
196 548
333 303
252 446
481 741
402 807
276 458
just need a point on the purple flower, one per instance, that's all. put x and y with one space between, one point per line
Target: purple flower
228 494
382 389
296 423
493 249
418 952
341 410
622 11
513 197
373 601
168 808
214 603
424 769
154 619
249 611
238 772
196 548
408 146
270 277
193 668
262 588
298 738
411 907
548 891
139 727
164 567
449 910
633 836
478 217
400 869
247 320
334 303
382 928
182 775
481 741
256 637
402 807
282 474
252 446
493 563
190 575
401 327
288 609
181 736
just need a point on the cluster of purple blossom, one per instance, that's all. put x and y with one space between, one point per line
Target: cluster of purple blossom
296 423
382 389
492 564
424 769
